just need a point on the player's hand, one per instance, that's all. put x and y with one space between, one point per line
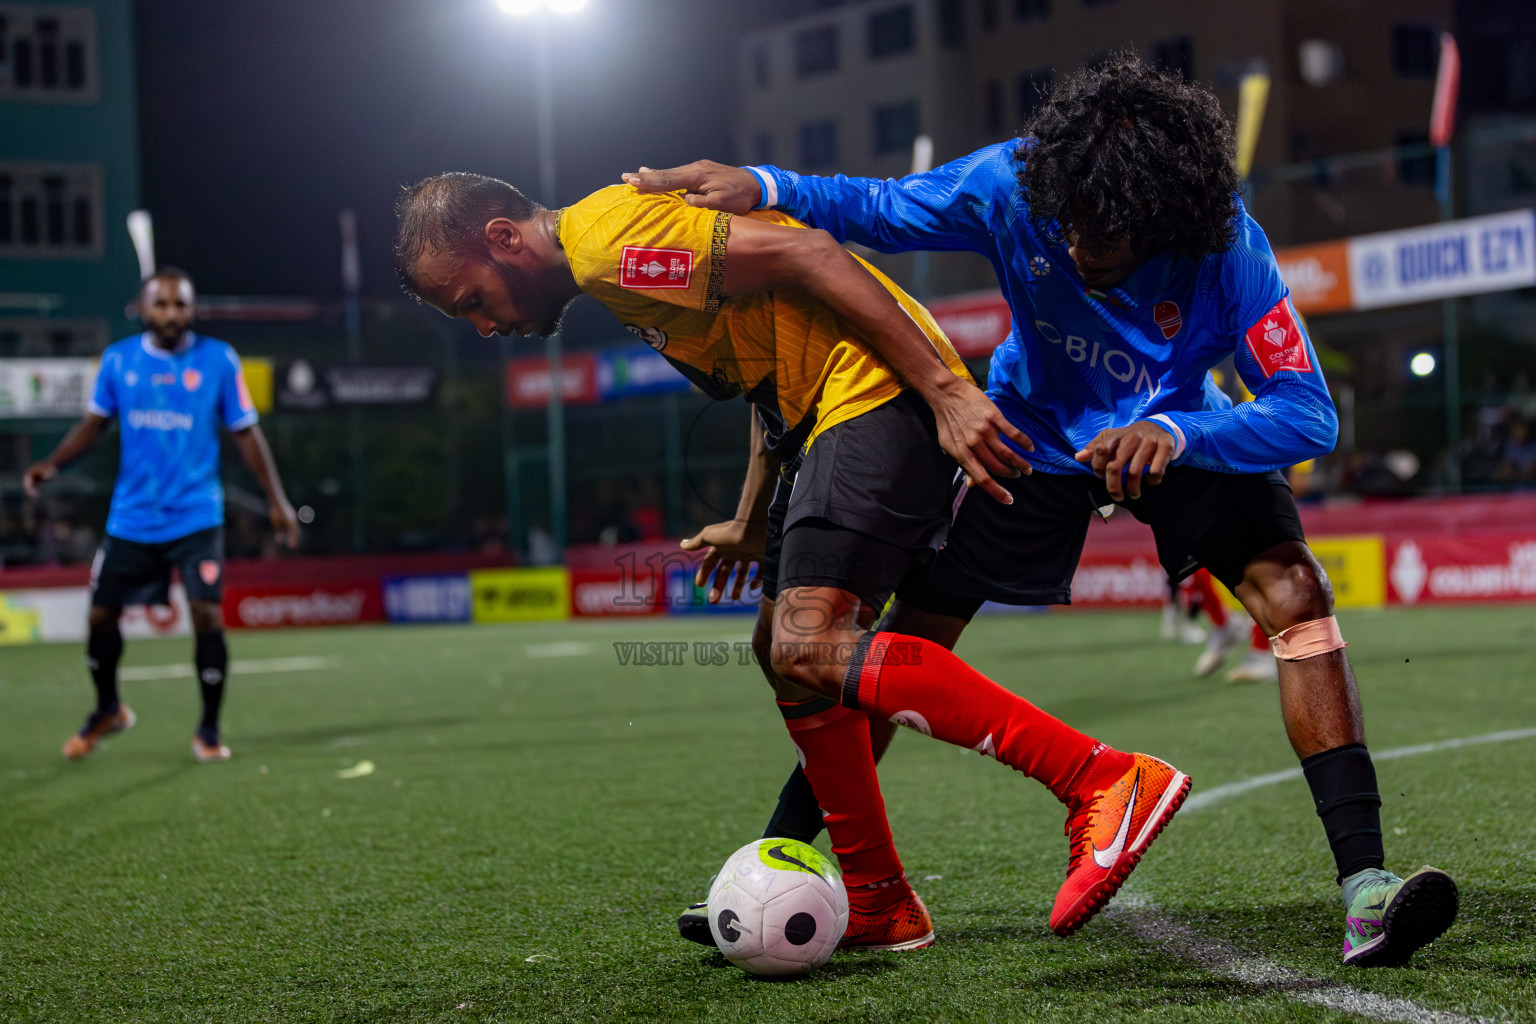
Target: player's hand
971 430
728 547
38 473
705 183
285 523
1128 453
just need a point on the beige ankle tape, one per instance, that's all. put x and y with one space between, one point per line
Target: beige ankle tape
1308 640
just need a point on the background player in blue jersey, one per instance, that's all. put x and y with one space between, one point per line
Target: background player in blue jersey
1132 269
170 390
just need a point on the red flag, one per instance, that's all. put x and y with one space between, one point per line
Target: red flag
1442 119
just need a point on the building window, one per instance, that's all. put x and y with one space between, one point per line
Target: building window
951 23
816 51
992 105
818 144
33 337
762 149
1034 90
50 210
895 127
760 77
1031 10
989 17
1175 56
47 54
890 32
1415 170
1415 50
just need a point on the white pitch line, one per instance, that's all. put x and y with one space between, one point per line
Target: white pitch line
1161 929
1220 794
564 649
257 666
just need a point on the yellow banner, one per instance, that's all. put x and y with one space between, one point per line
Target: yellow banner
258 380
520 595
1357 567
18 625
1252 95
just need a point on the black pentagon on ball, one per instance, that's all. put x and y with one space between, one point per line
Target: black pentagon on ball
726 922
800 929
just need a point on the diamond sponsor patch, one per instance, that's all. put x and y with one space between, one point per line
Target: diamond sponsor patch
655 268
1277 342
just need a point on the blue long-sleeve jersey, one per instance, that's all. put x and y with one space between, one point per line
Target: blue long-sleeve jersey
1078 361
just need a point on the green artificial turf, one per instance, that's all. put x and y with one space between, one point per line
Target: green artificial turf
539 814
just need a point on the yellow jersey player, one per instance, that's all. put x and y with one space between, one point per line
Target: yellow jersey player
864 408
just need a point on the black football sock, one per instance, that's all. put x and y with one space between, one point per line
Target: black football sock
103 649
212 660
1343 784
798 815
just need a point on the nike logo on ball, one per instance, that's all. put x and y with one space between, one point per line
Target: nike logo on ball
1106 858
777 853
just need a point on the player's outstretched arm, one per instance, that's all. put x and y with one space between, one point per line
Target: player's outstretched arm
738 544
946 208
80 439
254 450
761 256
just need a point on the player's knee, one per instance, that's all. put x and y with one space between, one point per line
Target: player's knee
104 617
806 663
207 617
1301 593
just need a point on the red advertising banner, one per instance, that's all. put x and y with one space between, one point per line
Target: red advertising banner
616 592
975 324
333 604
528 381
1426 568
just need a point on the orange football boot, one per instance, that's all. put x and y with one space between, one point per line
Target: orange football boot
902 924
1109 829
206 752
97 728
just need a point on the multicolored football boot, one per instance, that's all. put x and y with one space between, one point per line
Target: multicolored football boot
98 726
1108 830
1391 918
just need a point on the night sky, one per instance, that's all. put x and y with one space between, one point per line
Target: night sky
258 122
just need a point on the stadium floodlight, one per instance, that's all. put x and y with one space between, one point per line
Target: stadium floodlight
1422 364
525 7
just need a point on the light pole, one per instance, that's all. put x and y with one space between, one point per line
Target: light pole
540 12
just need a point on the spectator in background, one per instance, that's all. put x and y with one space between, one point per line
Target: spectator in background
1517 456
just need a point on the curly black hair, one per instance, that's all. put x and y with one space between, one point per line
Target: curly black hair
1123 152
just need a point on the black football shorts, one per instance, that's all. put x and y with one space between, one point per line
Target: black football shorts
1027 553
127 572
872 499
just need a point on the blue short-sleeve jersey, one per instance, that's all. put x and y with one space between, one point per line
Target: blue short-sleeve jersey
1078 361
169 406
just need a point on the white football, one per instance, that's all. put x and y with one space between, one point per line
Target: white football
778 908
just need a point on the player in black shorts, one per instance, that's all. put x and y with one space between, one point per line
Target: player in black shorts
170 390
1132 269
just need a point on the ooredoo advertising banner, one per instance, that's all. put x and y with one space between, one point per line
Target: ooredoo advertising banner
272 607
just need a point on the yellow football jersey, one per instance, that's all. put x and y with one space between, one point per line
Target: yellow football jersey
658 264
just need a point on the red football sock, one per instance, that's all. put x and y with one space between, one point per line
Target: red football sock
1260 640
920 684
839 762
1210 600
